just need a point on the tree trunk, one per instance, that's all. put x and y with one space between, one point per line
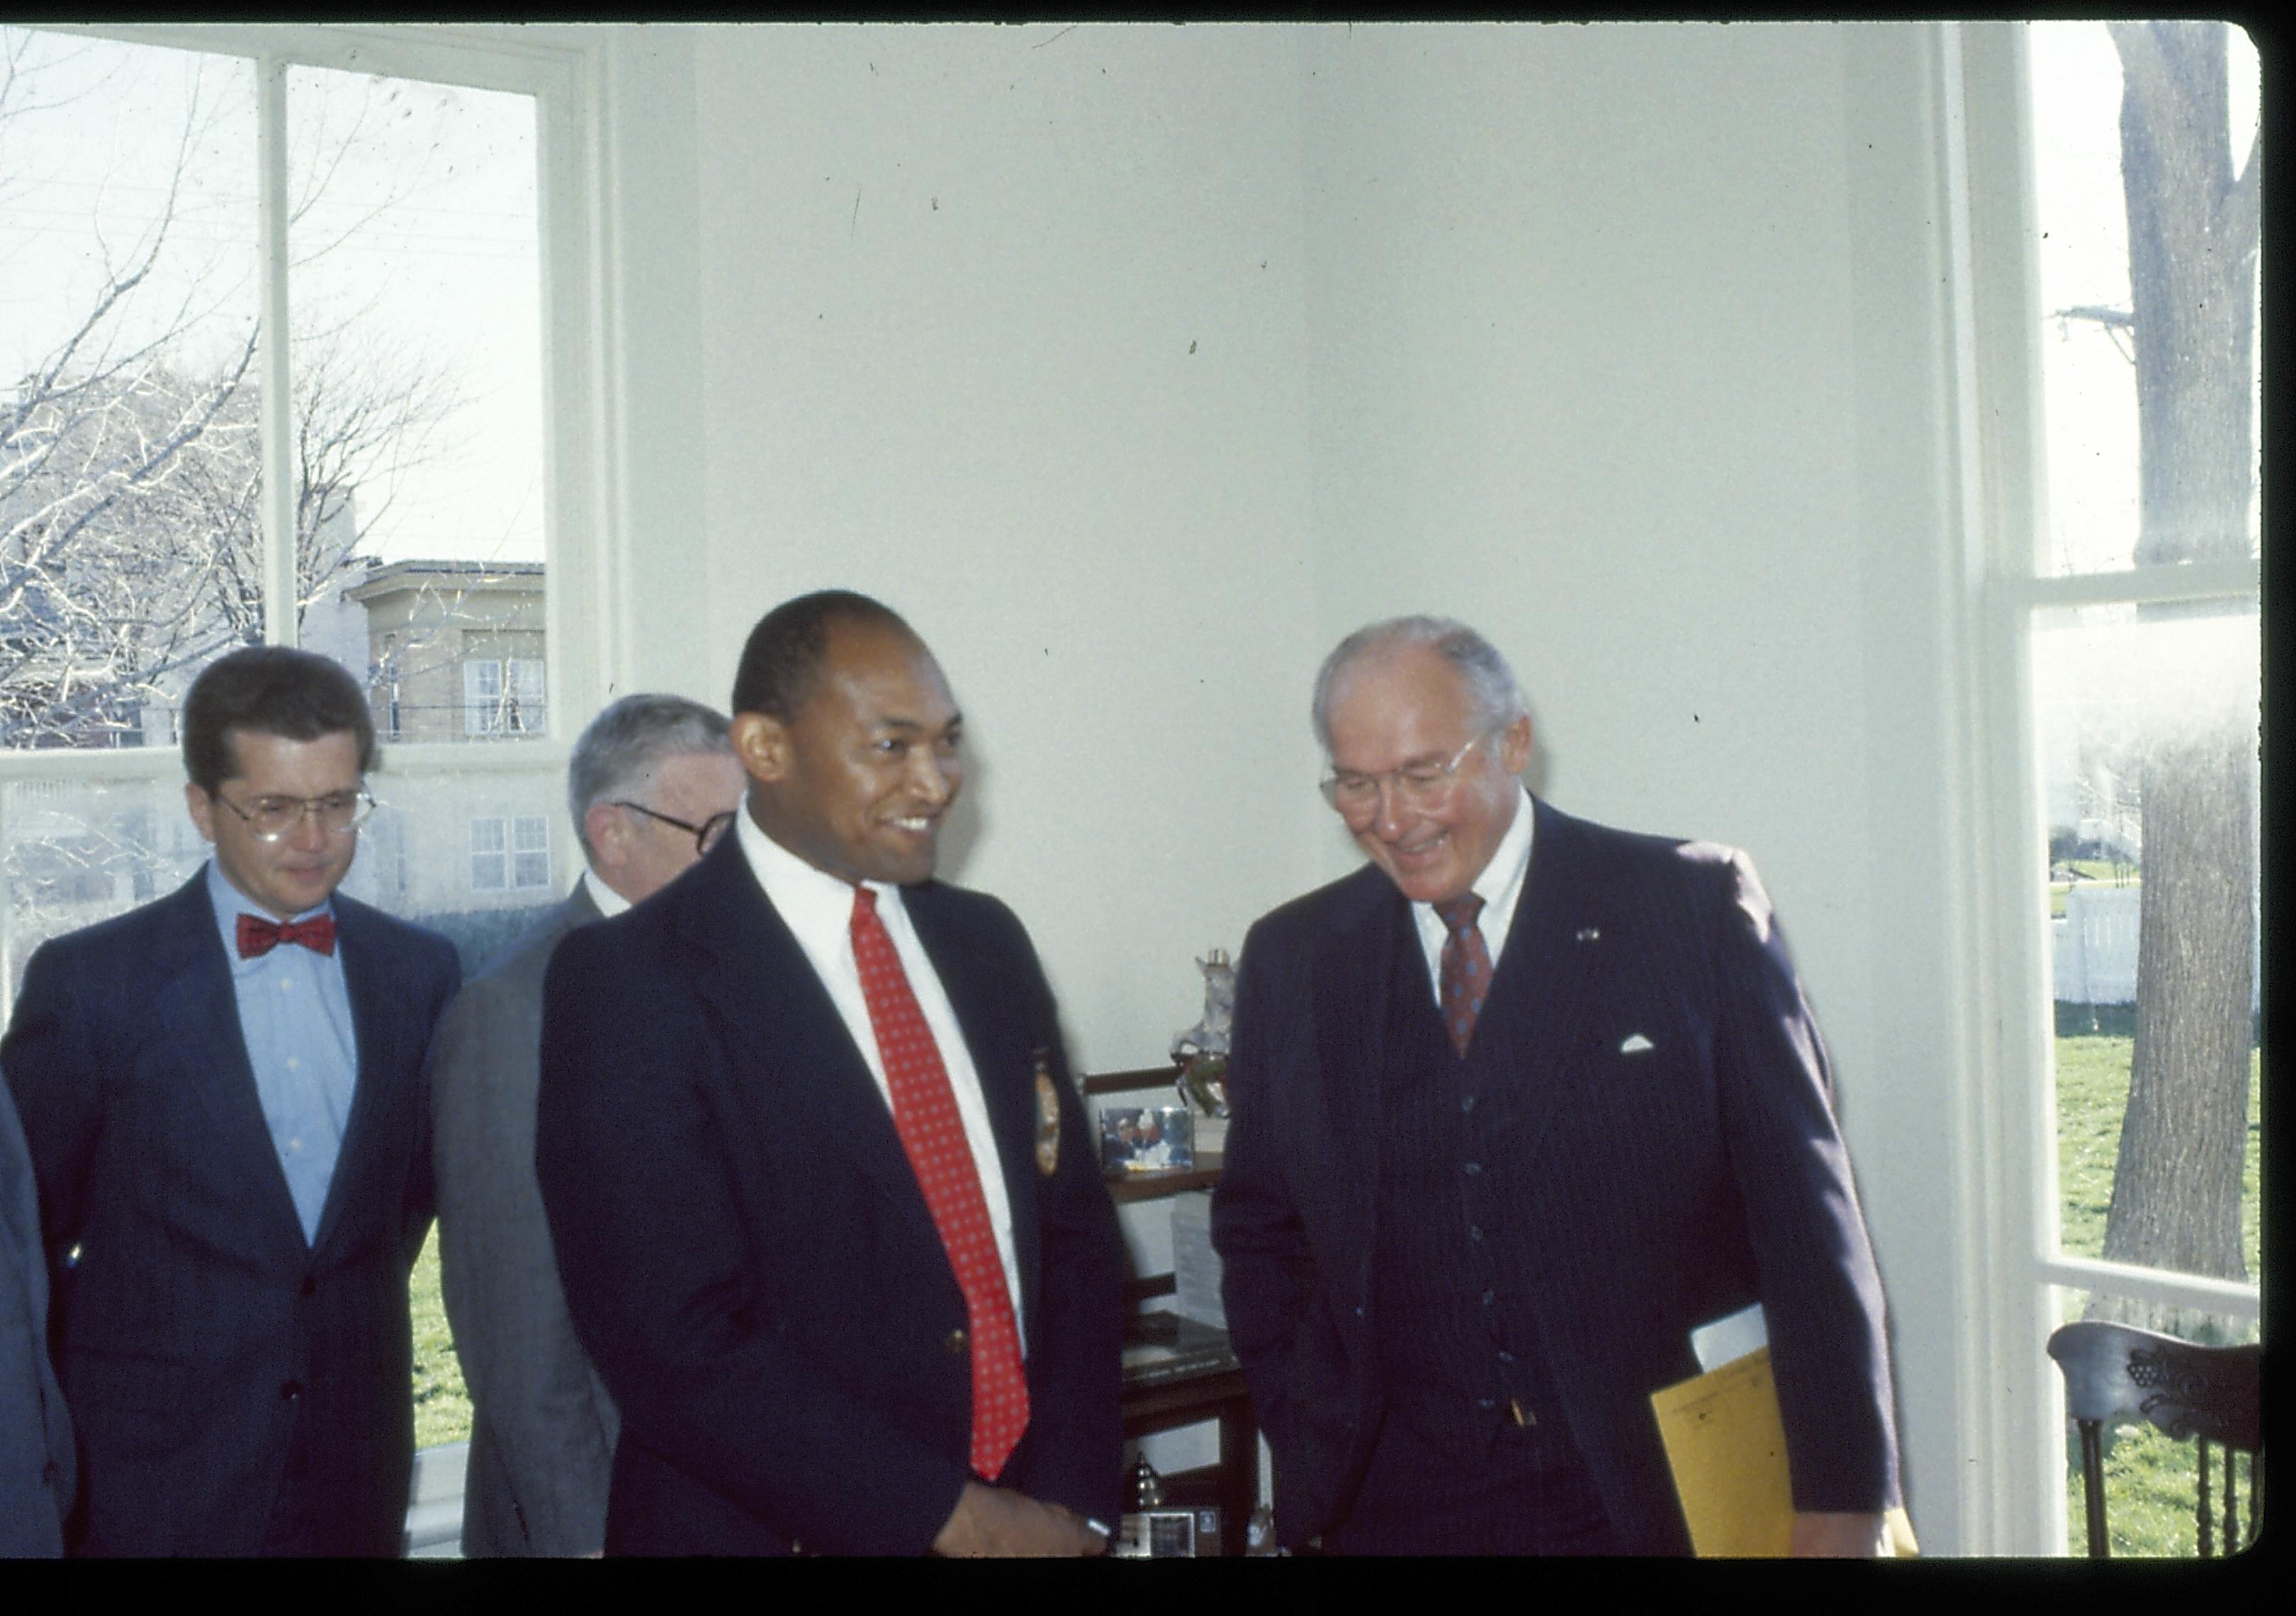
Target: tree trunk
2192 257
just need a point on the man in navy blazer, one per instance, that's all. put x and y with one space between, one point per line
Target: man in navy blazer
811 1350
222 1092
1516 1108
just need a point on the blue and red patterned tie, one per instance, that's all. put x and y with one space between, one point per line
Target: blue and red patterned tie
932 1133
1465 977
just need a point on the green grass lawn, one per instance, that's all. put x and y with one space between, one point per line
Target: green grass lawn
2149 1479
2092 870
442 1407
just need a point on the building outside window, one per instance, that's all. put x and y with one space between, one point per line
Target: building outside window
513 853
175 482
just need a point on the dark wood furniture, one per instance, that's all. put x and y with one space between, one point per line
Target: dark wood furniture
2193 1393
1179 1372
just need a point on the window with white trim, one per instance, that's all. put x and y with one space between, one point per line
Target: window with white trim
176 480
2124 649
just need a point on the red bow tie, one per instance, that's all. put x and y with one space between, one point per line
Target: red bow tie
258 937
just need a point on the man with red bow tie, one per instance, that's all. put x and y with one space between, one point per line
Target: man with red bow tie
223 1095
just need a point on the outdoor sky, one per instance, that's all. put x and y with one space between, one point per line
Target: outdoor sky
444 279
436 289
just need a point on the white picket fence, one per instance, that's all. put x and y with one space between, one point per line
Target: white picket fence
2096 946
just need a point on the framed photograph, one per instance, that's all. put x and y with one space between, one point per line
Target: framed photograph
1146 1139
1166 1534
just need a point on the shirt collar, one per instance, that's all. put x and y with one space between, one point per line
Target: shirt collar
230 903
1500 883
805 898
1501 878
610 902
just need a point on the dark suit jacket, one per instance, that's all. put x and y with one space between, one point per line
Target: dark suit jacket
196 1319
746 1255
1671 1184
37 1474
542 1427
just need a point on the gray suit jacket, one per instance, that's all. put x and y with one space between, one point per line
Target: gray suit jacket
36 1441
543 1427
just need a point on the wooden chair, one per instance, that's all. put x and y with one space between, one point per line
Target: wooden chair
2203 1394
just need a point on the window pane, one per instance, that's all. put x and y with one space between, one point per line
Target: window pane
129 460
416 295
73 854
421 854
481 696
486 855
2150 1479
2198 290
530 838
2148 731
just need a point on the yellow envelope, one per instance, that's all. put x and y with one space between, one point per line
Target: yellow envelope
1726 1447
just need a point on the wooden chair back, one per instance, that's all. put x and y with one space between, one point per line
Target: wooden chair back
2200 1394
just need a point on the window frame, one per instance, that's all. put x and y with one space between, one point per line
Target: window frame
562 67
2010 1207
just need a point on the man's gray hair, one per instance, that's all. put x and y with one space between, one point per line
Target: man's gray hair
1490 683
628 738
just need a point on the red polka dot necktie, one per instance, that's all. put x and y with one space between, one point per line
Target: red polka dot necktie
932 1133
1466 973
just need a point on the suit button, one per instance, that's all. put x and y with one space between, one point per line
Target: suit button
290 1390
955 1341
310 1285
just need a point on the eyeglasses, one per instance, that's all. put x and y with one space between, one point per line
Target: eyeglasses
339 813
1417 785
705 834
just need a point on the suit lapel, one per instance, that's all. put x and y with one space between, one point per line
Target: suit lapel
381 1030
1354 981
200 1009
783 1030
1554 956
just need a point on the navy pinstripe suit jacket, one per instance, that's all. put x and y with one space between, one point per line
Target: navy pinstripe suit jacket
197 1318
1670 1184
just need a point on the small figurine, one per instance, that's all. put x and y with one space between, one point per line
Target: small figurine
1202 1052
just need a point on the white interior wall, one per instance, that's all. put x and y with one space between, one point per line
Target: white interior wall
1629 351
1624 343
1008 334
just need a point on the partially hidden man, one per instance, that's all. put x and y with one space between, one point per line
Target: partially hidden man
1517 1107
824 1208
652 784
223 1093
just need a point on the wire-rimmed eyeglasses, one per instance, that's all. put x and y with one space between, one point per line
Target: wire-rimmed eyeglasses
1417 785
337 813
705 834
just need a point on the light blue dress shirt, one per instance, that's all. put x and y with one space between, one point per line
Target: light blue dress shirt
295 1016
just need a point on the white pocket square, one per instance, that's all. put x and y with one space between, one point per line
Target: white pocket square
1635 1045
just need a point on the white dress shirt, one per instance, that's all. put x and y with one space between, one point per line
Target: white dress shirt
818 908
1499 886
610 902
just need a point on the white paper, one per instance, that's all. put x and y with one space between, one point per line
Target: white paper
1728 1339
